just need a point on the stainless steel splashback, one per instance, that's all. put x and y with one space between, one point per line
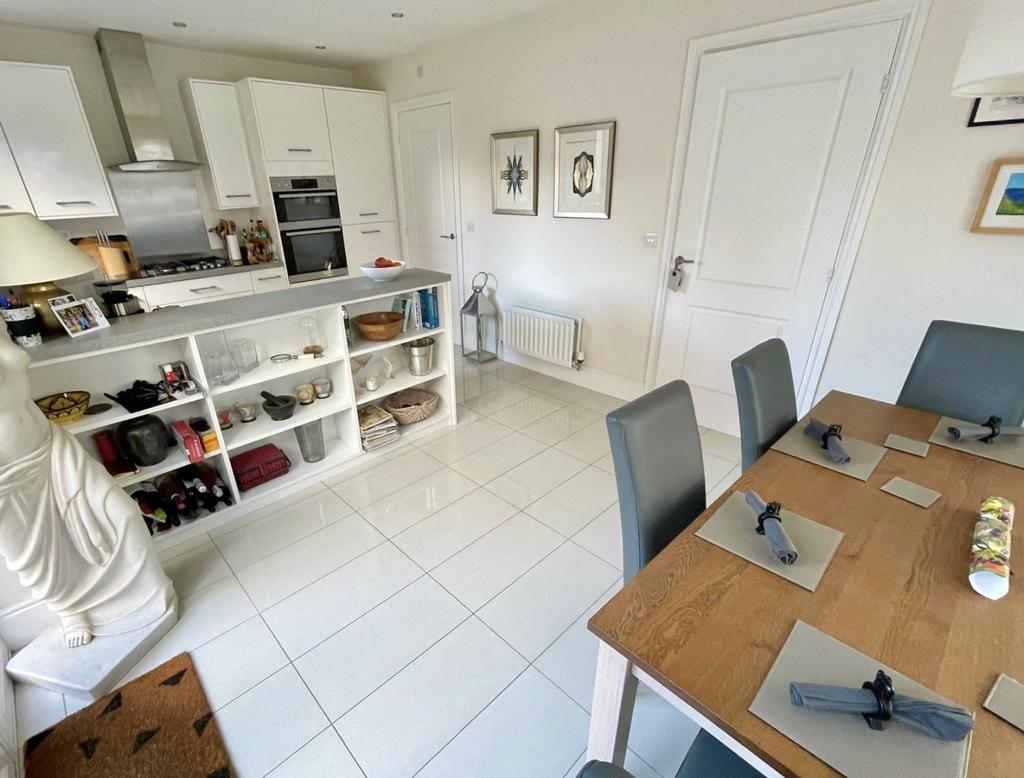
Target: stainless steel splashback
161 212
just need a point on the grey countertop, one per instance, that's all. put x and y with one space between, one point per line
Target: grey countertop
177 322
219 271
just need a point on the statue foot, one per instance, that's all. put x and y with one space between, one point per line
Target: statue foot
76 635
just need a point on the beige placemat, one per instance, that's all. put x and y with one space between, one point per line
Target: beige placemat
733 526
919 495
864 457
907 445
1006 700
1005 449
844 740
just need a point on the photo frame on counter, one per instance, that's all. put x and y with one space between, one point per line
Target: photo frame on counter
80 316
1001 210
991 111
514 172
584 160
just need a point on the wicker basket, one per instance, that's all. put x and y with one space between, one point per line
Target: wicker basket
412 405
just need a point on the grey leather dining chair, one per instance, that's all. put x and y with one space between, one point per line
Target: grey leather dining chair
707 758
764 393
968 372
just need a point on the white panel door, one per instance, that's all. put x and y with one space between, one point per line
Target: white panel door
362 155
365 242
13 195
293 121
778 138
428 191
220 121
46 128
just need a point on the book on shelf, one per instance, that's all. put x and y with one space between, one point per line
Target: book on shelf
428 304
402 305
417 311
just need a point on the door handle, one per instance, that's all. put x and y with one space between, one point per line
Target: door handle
675 278
449 236
370 213
201 289
306 150
680 261
4 207
239 195
65 203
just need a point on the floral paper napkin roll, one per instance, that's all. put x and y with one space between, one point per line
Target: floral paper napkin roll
990 549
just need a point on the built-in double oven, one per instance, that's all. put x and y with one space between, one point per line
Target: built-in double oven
309 218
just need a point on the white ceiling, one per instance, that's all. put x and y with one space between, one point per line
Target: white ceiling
354 31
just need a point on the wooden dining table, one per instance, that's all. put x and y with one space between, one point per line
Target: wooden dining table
702 627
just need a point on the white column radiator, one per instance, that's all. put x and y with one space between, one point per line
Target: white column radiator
553 337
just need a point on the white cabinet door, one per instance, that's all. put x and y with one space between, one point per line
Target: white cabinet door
223 137
13 195
362 155
293 121
269 280
49 136
365 242
198 290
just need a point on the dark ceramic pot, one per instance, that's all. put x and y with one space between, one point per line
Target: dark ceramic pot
143 440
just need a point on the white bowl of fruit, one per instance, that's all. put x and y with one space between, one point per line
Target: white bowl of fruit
383 269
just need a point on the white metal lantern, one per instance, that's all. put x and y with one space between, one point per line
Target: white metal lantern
480 317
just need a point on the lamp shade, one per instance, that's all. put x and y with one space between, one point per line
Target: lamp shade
992 64
32 253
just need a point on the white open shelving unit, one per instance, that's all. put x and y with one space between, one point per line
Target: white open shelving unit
112 370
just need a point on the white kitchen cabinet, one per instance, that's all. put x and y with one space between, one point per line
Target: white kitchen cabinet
220 123
365 242
362 155
269 280
197 290
292 121
49 136
13 195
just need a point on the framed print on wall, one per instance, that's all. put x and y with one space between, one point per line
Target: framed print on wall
514 172
989 111
584 155
1001 210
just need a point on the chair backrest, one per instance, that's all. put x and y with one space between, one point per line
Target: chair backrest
765 396
969 372
659 471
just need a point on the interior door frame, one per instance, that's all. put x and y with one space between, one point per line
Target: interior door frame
912 14
412 104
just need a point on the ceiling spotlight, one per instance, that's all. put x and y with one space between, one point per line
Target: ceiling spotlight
320 48
179 24
397 15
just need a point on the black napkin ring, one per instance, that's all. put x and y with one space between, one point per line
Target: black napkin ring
833 431
881 687
771 511
994 423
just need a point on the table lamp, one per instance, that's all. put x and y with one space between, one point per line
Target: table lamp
33 256
991 64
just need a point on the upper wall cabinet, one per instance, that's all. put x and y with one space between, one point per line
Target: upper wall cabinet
45 126
219 122
292 121
362 156
13 195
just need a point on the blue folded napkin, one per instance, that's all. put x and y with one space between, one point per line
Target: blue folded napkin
781 545
817 429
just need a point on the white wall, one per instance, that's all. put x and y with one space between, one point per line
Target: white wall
601 59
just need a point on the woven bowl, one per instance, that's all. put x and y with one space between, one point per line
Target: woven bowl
381 325
412 405
64 408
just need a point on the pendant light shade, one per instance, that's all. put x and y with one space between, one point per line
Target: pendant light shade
32 252
992 63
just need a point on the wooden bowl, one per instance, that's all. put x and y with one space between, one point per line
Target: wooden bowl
380 325
64 408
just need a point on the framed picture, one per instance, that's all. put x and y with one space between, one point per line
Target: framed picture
988 111
80 316
583 170
514 172
1001 210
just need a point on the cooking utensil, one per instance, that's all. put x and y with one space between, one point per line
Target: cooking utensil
278 406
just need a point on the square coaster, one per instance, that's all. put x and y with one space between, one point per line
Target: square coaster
907 445
843 740
1006 700
733 526
911 492
864 457
1005 449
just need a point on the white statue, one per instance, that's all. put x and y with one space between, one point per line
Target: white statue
72 535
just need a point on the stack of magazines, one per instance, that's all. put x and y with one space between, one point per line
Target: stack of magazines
377 427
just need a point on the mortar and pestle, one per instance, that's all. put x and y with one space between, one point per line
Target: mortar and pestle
278 406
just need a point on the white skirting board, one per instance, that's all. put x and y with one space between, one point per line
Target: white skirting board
589 377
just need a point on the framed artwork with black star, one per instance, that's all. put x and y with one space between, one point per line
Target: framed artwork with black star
514 172
584 155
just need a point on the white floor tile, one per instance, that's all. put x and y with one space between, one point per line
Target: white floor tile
602 403
452 444
605 463
719 489
401 510
351 664
721 445
589 444
403 724
715 469
324 755
532 612
280 525
496 399
383 477
527 411
285 572
570 507
535 477
233 663
36 709
339 598
510 372
269 723
468 387
566 391
660 734
531 729
561 424
497 458
538 382
603 537
197 567
485 567
451 529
